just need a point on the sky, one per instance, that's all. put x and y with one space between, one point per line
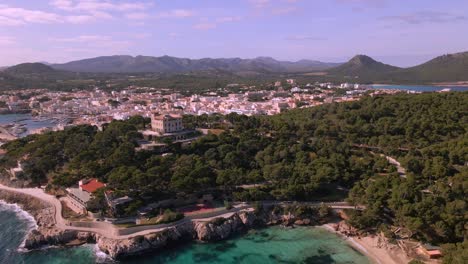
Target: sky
398 32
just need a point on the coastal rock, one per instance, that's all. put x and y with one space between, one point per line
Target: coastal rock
121 248
86 236
299 222
219 229
49 236
248 218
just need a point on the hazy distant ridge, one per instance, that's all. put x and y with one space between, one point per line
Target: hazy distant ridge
167 64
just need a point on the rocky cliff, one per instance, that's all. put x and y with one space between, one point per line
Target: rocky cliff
214 230
46 234
205 231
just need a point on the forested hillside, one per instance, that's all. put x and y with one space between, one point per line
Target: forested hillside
303 154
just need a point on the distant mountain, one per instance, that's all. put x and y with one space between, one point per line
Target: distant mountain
446 68
29 68
362 66
167 64
450 67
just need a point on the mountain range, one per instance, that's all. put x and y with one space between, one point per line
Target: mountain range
167 64
361 68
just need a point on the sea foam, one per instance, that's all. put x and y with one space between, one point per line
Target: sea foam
22 215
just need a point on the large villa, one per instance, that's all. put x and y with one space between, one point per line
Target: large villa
78 198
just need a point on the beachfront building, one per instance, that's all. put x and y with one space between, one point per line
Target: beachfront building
78 198
117 203
432 252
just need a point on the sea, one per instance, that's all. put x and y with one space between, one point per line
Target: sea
269 245
27 121
420 88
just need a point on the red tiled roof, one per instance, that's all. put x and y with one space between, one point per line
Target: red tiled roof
92 185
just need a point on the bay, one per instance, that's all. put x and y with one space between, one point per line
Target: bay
420 88
27 121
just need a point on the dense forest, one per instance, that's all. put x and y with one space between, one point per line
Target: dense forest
331 152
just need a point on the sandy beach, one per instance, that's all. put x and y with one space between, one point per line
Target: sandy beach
369 246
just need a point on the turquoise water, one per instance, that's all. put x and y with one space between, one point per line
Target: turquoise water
420 88
270 245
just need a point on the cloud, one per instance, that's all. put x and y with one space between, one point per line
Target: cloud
80 19
259 3
90 10
303 38
228 19
363 5
204 26
7 41
83 38
8 21
13 16
62 4
176 13
374 3
205 23
284 10
426 17
137 16
98 5
268 7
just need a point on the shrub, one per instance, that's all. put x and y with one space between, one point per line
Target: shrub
228 205
170 216
258 207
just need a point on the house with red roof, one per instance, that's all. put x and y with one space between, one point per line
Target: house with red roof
90 185
79 197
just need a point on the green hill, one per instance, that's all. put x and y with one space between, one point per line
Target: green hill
29 68
362 66
450 67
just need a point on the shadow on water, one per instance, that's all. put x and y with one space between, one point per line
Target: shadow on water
224 246
277 259
242 258
319 259
205 257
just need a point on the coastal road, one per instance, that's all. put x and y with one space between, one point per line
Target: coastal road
111 231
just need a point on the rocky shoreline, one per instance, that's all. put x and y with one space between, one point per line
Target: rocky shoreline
46 234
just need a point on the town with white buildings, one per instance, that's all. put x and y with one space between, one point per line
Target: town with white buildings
99 106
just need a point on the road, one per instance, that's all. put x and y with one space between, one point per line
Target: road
393 161
111 231
400 169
